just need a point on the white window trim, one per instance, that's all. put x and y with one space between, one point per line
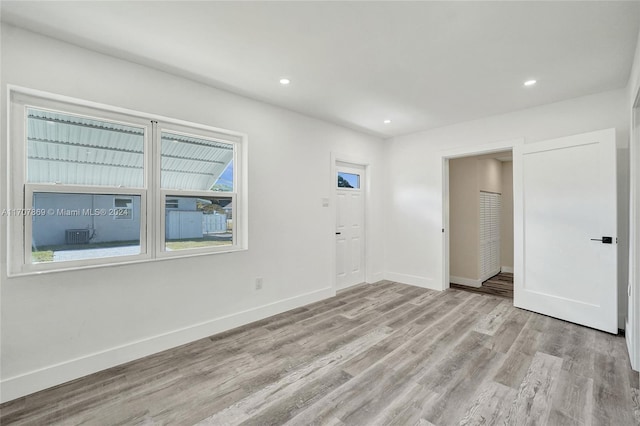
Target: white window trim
20 193
214 136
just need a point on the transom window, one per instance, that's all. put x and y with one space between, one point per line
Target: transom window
89 183
348 180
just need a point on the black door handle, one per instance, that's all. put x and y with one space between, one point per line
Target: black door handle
338 233
605 240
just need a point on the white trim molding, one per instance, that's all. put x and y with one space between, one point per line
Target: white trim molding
413 280
445 155
376 277
469 282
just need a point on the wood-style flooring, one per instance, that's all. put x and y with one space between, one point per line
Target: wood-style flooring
498 285
380 354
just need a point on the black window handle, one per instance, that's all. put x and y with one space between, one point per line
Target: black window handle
338 233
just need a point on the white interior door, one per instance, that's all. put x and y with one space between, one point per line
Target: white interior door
568 207
349 225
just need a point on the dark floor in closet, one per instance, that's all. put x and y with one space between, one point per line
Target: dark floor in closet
498 285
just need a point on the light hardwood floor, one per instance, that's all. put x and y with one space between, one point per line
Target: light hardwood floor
376 354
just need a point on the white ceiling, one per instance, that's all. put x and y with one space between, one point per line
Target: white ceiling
420 64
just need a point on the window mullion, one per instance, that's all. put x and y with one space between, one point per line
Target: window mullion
153 191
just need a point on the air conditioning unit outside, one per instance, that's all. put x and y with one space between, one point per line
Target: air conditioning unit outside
77 236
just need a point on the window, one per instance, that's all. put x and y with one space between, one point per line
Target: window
200 222
90 183
122 208
171 203
198 191
79 226
348 180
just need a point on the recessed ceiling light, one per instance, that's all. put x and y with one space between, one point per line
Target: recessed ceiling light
387 121
284 81
530 82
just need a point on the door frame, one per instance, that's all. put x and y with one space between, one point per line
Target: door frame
515 145
337 157
632 334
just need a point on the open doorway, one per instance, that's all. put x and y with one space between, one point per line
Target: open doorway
481 250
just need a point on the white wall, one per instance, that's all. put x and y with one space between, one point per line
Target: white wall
634 76
63 325
506 218
464 211
633 334
415 247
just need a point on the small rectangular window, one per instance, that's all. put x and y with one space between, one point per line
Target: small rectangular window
199 222
348 180
123 208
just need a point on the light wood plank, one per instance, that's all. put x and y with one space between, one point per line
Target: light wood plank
494 319
491 405
288 385
533 402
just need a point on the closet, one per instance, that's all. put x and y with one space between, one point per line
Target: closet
489 234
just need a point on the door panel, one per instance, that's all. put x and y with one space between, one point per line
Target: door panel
341 271
569 198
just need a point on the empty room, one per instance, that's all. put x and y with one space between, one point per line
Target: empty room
460 246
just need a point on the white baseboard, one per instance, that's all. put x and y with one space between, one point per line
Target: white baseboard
622 321
630 349
378 276
465 281
33 381
508 269
411 280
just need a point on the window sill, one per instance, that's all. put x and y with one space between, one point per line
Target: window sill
62 268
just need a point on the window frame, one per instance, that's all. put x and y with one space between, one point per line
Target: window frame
213 135
153 197
30 189
161 250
